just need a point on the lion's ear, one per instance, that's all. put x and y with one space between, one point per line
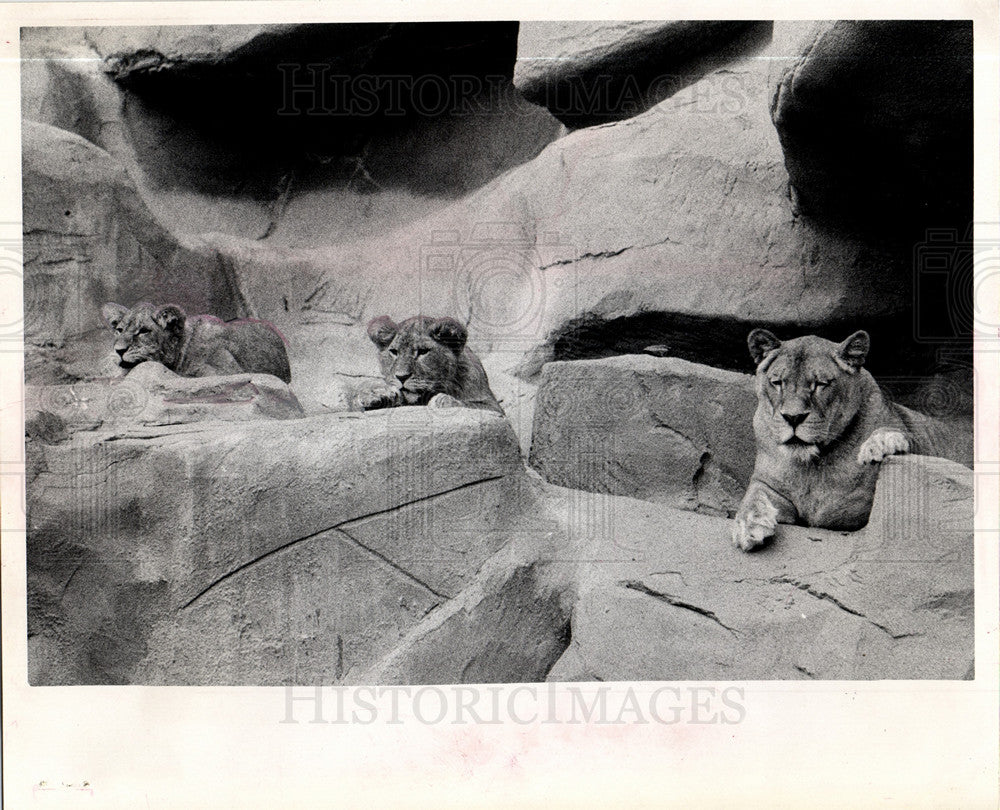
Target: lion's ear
760 342
170 317
381 331
854 350
450 333
113 313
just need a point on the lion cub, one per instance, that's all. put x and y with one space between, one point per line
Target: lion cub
822 426
425 362
197 345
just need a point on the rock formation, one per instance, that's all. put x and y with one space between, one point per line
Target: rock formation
235 530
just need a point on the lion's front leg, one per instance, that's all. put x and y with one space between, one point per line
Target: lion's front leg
759 514
380 396
883 442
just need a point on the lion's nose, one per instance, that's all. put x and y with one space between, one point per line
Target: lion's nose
403 377
121 352
794 419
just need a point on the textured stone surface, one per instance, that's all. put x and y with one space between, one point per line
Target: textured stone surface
588 72
894 600
140 543
153 395
875 119
510 626
89 239
660 429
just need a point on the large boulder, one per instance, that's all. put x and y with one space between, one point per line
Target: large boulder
261 552
672 599
644 592
875 119
588 72
89 239
661 429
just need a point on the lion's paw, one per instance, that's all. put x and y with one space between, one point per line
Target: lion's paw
381 396
444 401
881 444
755 522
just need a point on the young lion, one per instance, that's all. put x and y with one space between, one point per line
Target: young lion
822 426
195 346
425 362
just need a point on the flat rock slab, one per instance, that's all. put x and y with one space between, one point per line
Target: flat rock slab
591 72
664 595
153 395
157 554
661 429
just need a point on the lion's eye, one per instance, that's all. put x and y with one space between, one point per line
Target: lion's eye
120 329
393 352
422 351
776 383
143 331
821 383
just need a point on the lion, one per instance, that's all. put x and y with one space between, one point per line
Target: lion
425 362
196 345
823 426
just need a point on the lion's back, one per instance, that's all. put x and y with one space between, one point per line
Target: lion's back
476 391
256 346
930 436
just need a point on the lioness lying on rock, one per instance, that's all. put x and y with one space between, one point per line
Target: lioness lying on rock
195 346
425 362
822 426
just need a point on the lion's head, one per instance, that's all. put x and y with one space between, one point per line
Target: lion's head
146 332
421 356
808 389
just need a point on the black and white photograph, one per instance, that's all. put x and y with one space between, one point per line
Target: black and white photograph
445 353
